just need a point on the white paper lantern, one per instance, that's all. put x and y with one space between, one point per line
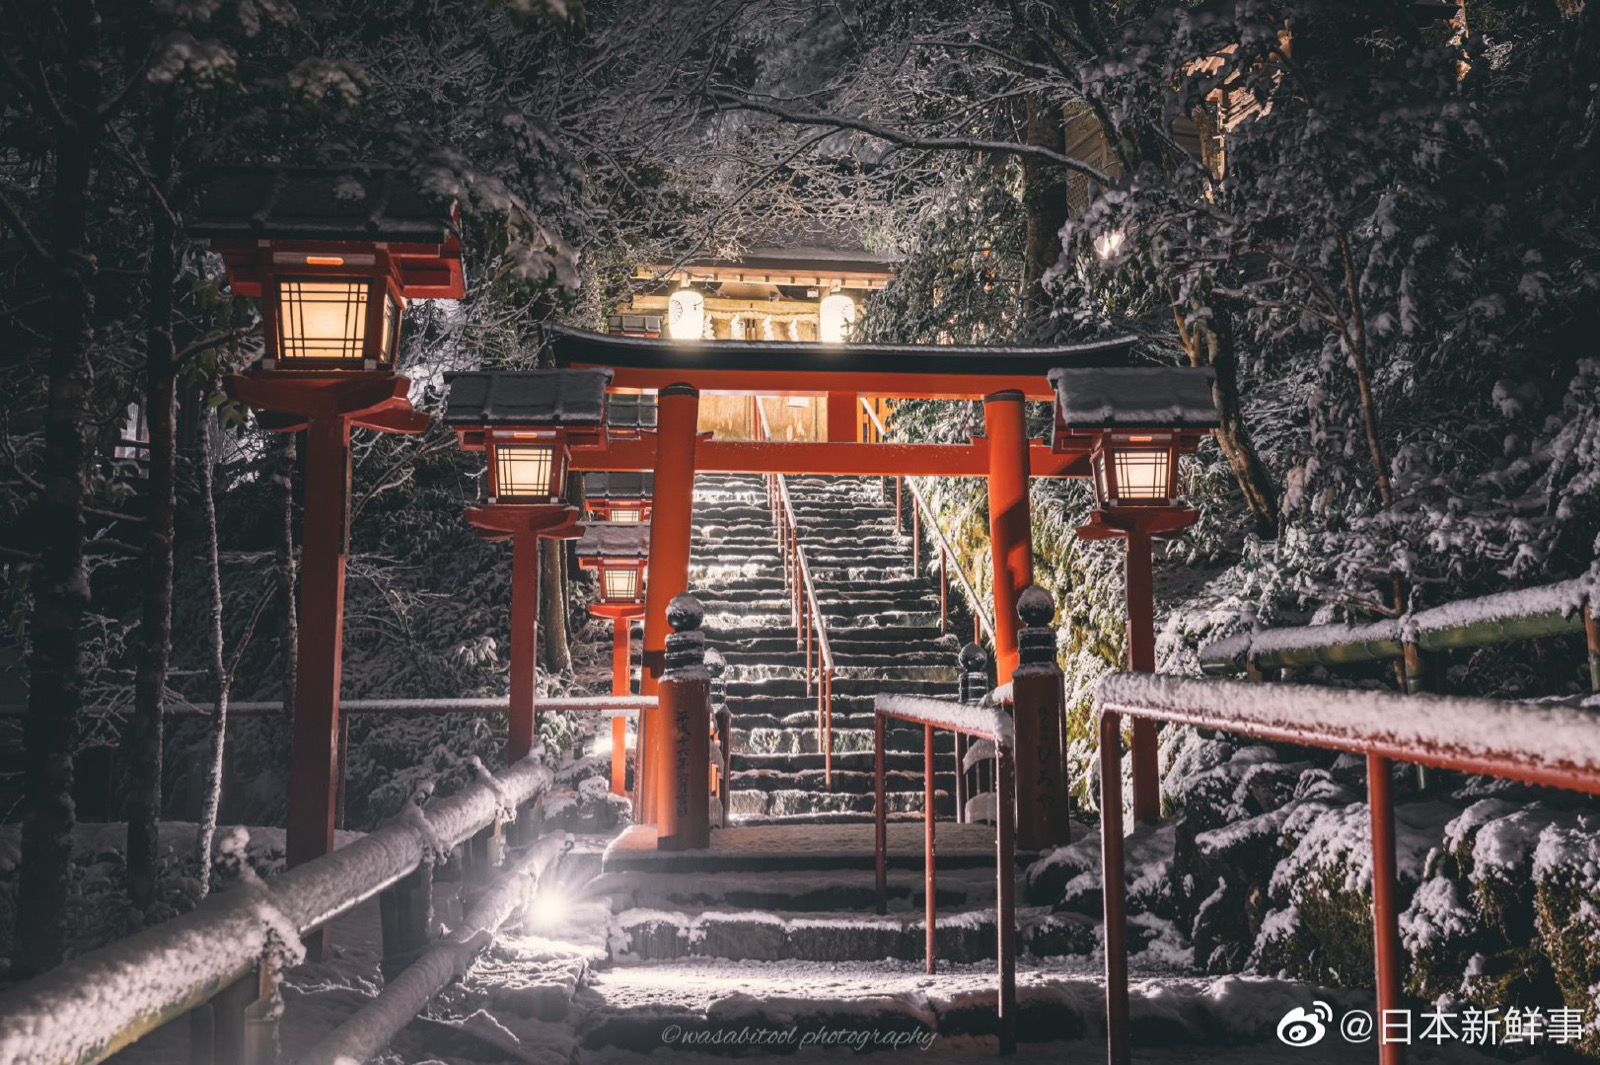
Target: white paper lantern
686 313
837 318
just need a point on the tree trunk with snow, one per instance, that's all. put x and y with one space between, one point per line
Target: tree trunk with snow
61 584
144 732
219 671
289 623
553 606
1044 199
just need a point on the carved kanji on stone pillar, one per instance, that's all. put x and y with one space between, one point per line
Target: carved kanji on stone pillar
683 814
1036 707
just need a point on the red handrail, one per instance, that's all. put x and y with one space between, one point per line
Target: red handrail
809 623
922 512
981 722
1550 745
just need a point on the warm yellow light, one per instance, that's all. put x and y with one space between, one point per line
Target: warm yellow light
686 315
524 471
325 260
322 319
627 515
836 318
1141 473
621 585
1107 245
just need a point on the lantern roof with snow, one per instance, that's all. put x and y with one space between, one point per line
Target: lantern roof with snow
1133 397
618 485
566 398
613 539
241 207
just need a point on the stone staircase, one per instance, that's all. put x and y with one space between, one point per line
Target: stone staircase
883 625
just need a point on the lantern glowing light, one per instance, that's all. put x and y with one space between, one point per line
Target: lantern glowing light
686 314
1135 470
619 584
836 318
527 472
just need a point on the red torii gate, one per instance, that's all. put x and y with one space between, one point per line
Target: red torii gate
679 371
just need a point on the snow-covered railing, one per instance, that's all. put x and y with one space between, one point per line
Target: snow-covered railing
922 511
610 705
809 621
92 1006
984 722
1551 743
1560 609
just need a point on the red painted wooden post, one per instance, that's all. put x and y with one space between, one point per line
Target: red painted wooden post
671 528
1006 900
927 846
1385 901
314 747
880 818
683 821
1041 791
621 684
1114 890
524 643
1010 527
1142 659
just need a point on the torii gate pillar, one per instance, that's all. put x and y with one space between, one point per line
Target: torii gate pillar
1010 522
671 525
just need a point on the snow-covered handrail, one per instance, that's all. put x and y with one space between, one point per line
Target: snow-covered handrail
610 705
984 720
1523 614
365 1034
89 1008
1554 743
985 623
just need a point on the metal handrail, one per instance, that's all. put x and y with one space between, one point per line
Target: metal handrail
1542 744
982 723
805 607
947 553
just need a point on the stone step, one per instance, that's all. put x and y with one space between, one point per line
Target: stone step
829 890
804 802
806 741
961 936
845 782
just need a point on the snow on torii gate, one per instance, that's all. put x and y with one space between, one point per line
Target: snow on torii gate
679 371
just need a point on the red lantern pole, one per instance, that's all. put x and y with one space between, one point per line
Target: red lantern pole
524 524
1010 526
621 615
326 407
1138 527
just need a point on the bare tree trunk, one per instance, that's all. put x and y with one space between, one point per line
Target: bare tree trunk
553 607
289 623
219 671
1044 199
144 735
55 696
1210 342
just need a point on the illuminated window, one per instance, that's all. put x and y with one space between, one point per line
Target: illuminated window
621 584
322 319
524 471
1141 473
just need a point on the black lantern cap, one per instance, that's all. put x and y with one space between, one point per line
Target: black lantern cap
614 539
564 398
1134 397
303 203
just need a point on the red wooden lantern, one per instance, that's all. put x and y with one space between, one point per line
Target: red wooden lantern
527 423
620 498
1135 423
333 256
617 553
